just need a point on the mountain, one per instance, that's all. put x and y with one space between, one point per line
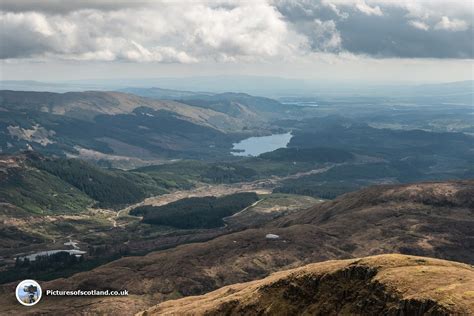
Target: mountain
89 104
113 125
60 87
379 285
242 105
430 219
163 94
433 219
274 87
239 105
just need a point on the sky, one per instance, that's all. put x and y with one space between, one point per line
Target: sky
339 40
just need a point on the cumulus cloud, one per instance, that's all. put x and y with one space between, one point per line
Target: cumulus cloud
325 36
365 8
161 32
451 25
230 30
390 29
61 6
419 25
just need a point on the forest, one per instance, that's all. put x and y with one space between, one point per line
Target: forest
196 212
106 187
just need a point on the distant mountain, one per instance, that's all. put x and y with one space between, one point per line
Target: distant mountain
32 85
447 89
379 285
164 94
112 125
89 104
274 87
432 219
280 86
239 105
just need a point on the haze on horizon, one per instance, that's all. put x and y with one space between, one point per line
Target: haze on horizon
335 40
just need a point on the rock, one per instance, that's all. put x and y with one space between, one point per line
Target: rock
272 236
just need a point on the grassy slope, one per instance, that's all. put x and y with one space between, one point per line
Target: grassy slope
373 286
39 192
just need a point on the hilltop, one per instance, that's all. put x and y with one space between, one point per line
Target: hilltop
379 285
89 104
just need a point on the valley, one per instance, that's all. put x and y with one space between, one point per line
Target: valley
154 196
435 222
260 158
116 232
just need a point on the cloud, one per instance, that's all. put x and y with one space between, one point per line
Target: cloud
389 29
161 32
325 36
419 25
364 8
232 31
451 25
62 7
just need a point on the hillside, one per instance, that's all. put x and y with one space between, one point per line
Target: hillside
114 126
163 94
433 219
242 105
29 189
45 200
37 184
238 105
379 285
89 104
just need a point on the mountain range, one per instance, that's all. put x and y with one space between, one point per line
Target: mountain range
118 126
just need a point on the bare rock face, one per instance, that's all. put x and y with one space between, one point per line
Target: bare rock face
379 285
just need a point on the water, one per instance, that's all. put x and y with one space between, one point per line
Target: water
255 146
300 103
76 251
33 256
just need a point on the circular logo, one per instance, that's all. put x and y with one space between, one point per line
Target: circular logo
28 292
